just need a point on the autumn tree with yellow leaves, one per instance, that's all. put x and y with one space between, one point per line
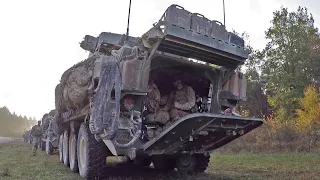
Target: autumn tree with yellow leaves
309 112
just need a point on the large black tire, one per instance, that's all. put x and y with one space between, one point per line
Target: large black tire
91 154
143 161
65 148
61 148
73 158
43 146
48 147
163 162
190 164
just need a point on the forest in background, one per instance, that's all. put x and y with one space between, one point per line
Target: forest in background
283 89
13 125
283 86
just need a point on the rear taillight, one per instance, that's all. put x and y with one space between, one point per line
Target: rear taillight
128 103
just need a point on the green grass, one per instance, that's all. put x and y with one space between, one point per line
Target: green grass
16 162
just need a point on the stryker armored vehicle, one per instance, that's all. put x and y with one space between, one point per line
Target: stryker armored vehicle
100 101
50 138
29 137
26 136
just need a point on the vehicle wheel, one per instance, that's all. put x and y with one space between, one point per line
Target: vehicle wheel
43 145
143 161
91 154
73 152
190 164
61 148
49 147
65 148
163 163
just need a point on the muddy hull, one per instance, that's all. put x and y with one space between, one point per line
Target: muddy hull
200 133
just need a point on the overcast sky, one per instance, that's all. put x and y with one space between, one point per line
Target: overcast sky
39 39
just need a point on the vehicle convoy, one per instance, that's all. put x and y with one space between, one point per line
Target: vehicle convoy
103 103
26 137
50 137
29 137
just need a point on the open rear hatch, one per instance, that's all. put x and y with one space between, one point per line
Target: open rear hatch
200 132
194 36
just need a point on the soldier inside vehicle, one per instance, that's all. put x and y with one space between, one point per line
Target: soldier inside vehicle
174 92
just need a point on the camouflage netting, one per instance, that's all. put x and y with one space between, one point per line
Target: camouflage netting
77 88
72 91
105 110
46 120
71 94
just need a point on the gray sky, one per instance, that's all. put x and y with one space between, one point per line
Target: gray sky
40 38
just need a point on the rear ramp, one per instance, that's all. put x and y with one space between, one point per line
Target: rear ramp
200 132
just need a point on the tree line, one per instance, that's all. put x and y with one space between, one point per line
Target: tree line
283 84
13 125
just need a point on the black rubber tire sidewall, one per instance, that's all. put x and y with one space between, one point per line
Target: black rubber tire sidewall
73 161
163 163
198 164
48 147
66 149
61 148
95 167
43 145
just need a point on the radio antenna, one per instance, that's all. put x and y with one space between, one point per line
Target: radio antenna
127 34
224 15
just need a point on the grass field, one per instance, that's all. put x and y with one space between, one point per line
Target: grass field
16 162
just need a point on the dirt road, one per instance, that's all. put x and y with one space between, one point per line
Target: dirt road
5 139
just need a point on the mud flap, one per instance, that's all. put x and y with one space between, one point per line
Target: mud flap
199 133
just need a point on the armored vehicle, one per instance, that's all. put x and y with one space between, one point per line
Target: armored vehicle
26 136
50 138
101 101
29 137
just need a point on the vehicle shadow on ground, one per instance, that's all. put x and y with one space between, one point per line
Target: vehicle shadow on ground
134 172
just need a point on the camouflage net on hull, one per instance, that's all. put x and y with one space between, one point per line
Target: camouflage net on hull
71 94
105 110
47 119
77 88
72 91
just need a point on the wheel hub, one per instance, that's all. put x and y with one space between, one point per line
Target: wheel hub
184 160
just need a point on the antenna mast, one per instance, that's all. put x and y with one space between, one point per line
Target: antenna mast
127 34
224 15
